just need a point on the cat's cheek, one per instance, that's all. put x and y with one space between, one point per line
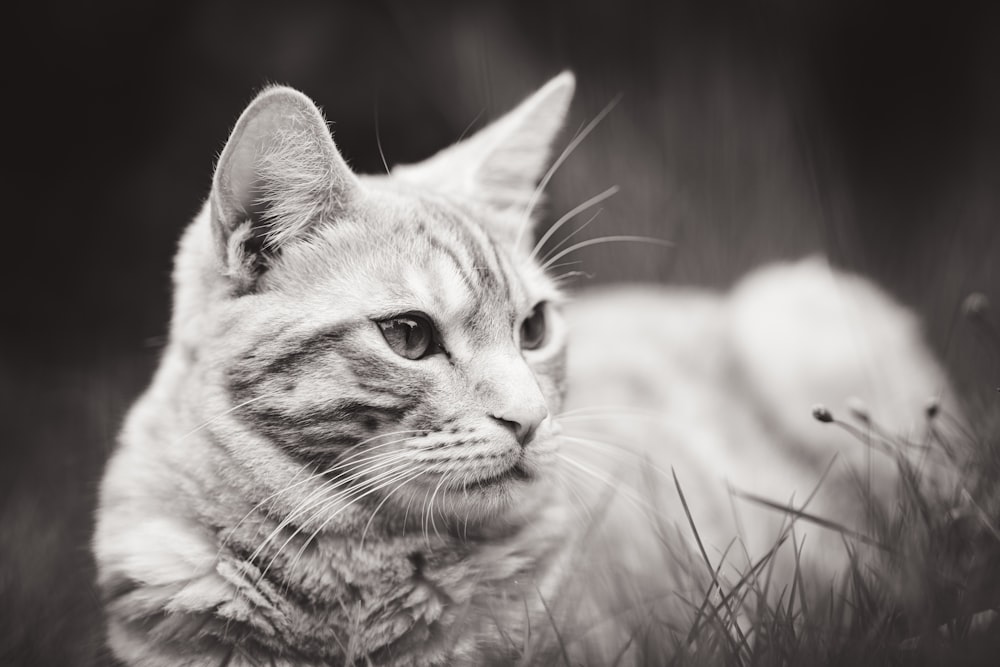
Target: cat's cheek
551 375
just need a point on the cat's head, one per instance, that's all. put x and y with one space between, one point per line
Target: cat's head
395 332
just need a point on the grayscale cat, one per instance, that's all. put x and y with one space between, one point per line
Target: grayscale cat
381 434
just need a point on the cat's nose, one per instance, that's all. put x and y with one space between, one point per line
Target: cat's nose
522 419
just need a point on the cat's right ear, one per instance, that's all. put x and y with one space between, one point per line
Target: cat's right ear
502 163
279 174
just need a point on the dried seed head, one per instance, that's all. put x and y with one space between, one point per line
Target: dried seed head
858 409
821 414
975 305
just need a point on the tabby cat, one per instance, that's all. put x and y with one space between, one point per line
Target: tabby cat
357 447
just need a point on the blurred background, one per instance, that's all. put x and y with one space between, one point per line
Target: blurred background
747 131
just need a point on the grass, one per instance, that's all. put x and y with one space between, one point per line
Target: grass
922 586
931 595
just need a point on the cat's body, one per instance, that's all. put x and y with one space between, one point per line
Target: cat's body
310 479
720 389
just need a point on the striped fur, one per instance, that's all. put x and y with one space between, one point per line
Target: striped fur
292 490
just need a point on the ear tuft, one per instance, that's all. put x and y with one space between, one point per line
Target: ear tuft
502 163
279 173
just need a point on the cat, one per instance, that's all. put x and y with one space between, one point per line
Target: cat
381 433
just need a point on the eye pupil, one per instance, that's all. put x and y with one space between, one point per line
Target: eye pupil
410 336
533 329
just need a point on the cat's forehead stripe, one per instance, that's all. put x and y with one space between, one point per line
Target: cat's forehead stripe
490 275
502 272
485 274
441 247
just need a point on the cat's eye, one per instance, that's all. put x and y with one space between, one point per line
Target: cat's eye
410 335
533 328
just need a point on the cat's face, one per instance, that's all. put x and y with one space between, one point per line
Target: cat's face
397 333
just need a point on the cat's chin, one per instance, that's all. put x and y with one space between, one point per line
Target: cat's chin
518 472
511 496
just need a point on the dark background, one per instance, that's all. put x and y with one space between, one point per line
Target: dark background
747 131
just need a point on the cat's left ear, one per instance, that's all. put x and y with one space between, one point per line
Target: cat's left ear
501 164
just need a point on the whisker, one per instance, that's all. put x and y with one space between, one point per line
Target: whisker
218 416
471 124
385 500
599 444
430 506
355 464
593 201
406 511
341 463
371 485
336 472
285 489
570 263
638 503
564 240
378 140
392 477
570 147
609 410
581 506
608 239
322 496
423 516
342 457
570 274
298 554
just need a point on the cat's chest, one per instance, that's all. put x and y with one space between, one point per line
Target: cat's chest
406 596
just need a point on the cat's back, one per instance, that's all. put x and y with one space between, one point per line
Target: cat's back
718 388
786 337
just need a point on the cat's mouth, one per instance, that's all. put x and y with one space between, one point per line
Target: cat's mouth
515 473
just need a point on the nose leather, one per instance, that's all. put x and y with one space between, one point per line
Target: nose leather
523 419
511 395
